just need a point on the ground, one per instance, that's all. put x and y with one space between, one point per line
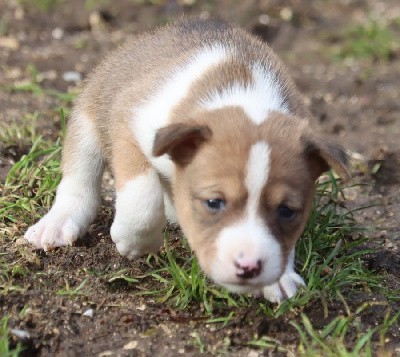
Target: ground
87 300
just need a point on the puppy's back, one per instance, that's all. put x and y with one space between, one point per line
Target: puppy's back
146 59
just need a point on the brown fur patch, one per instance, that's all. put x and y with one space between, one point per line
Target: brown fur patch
128 160
180 141
217 167
218 170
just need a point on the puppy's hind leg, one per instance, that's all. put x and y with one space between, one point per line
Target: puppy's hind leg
78 194
139 217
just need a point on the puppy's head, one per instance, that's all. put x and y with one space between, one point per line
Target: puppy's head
243 191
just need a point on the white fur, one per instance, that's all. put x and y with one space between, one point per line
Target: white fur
155 112
78 195
139 218
287 285
250 238
169 209
256 174
260 97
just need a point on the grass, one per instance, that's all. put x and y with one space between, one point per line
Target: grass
31 182
330 261
70 291
37 175
331 339
6 349
184 282
34 85
373 39
9 273
42 5
21 134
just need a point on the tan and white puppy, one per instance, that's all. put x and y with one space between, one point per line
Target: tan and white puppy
198 118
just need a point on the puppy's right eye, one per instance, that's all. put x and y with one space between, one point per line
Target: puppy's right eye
285 213
214 205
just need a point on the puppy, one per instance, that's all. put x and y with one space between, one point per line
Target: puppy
201 125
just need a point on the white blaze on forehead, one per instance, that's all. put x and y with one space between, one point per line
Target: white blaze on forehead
258 98
250 237
156 110
256 174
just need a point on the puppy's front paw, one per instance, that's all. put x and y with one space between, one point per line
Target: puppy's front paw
285 288
131 244
131 250
51 232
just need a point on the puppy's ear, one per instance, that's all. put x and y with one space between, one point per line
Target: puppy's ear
180 141
323 155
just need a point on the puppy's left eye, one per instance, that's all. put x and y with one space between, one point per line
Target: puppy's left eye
214 205
286 213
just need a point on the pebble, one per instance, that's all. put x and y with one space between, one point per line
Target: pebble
286 14
264 19
57 33
141 307
9 42
130 345
20 333
50 75
72 76
13 73
188 2
389 245
88 313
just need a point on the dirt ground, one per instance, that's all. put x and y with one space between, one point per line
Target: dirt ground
355 101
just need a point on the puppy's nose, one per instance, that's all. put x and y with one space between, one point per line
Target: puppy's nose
247 268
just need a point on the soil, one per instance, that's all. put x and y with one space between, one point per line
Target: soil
355 102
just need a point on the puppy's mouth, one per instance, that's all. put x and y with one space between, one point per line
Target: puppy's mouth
242 286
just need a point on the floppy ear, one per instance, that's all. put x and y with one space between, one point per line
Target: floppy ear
180 141
323 155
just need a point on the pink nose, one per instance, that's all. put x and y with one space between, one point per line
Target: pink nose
247 268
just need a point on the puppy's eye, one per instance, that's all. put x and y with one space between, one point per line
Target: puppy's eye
214 205
284 212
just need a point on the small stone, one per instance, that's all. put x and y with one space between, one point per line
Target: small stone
188 2
286 13
20 333
20 242
19 13
96 22
351 193
141 307
9 42
94 19
13 73
50 75
57 33
106 353
389 245
88 313
264 19
130 345
72 76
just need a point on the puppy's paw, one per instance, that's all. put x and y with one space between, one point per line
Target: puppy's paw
133 245
51 232
285 288
133 251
